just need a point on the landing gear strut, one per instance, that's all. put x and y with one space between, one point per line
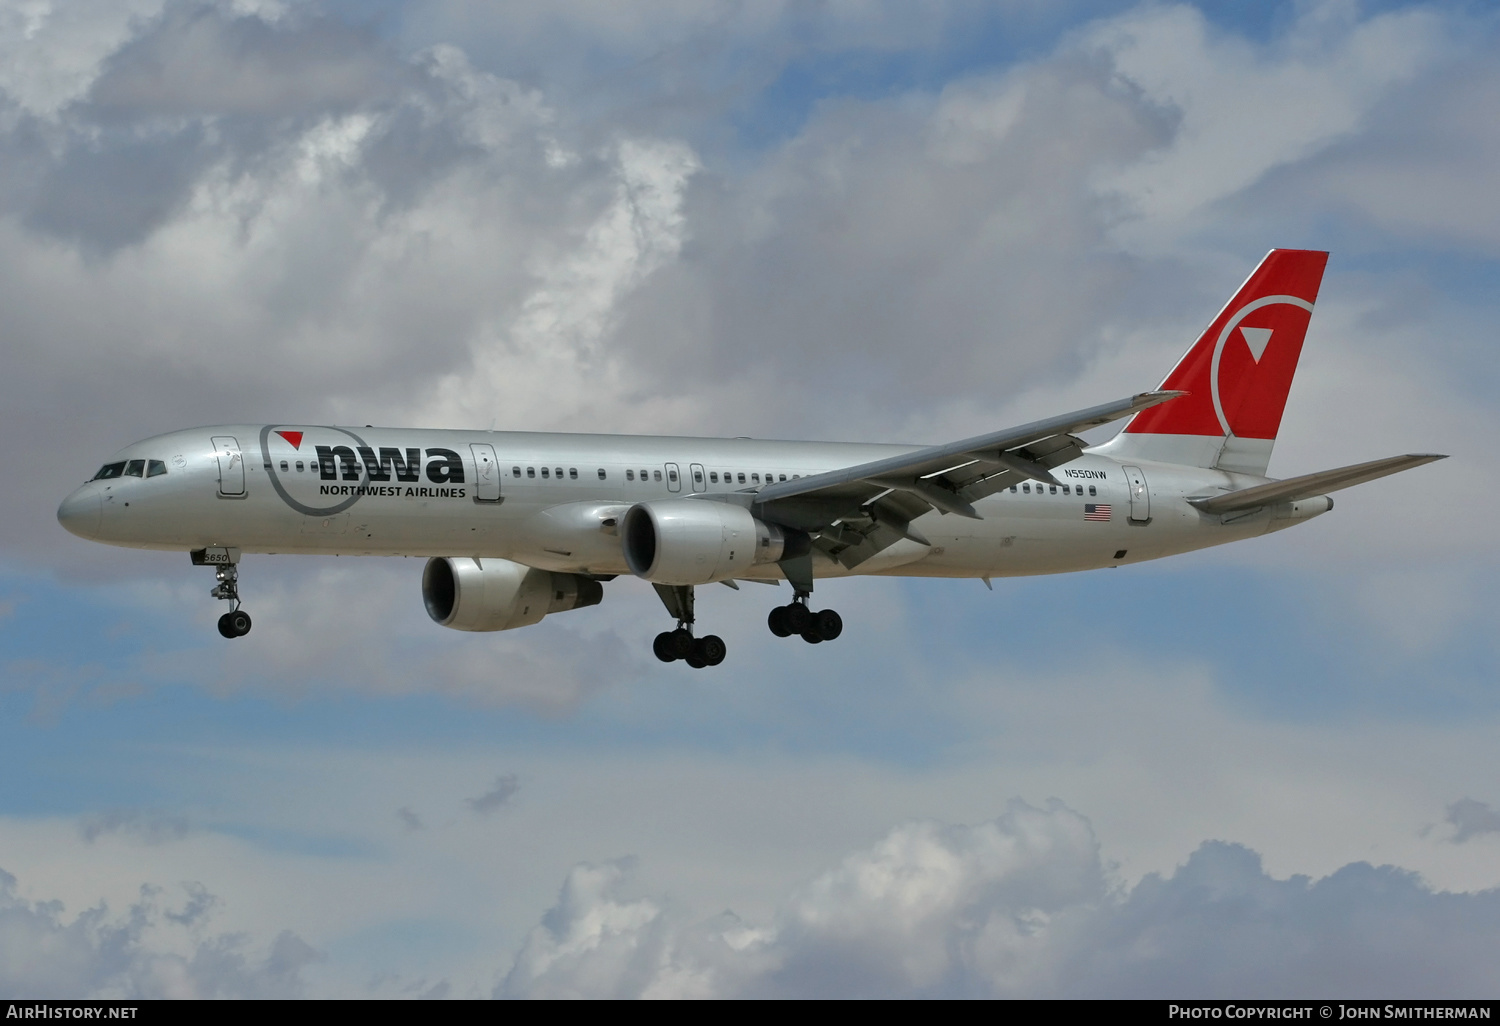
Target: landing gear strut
236 622
670 646
796 618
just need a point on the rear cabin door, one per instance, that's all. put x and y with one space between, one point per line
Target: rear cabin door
231 465
1140 495
486 473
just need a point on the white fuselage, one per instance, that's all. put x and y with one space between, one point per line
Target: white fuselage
551 501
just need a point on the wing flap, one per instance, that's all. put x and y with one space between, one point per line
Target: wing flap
1309 485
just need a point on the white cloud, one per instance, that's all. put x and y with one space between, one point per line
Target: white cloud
1023 907
44 953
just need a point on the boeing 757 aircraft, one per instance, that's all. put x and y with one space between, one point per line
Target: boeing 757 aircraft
517 525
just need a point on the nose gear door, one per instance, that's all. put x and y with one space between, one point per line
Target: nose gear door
486 473
231 466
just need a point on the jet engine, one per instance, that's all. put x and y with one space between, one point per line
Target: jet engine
498 595
695 541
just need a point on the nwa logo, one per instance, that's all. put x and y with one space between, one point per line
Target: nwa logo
340 462
387 471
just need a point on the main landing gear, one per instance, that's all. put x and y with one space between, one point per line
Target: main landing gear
796 618
671 646
236 622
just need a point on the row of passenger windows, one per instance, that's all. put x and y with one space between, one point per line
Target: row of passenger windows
729 477
131 468
1066 489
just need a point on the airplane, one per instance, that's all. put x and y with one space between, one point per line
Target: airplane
519 525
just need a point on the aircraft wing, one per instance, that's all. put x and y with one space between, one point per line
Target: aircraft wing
855 512
1309 485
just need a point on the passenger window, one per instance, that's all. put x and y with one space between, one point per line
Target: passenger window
630 475
671 476
573 473
515 471
782 478
602 474
299 466
697 477
1013 489
1052 489
657 475
1093 490
755 478
1026 488
135 468
713 476
156 468
742 479
284 467
531 472
558 472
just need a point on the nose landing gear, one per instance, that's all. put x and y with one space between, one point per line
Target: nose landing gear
796 618
236 622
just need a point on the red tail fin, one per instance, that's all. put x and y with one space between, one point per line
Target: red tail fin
1238 373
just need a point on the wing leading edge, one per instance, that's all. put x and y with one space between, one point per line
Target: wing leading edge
854 513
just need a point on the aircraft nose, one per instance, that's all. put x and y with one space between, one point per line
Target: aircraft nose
81 512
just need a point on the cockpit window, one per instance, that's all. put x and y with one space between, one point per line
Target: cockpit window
155 468
135 468
110 470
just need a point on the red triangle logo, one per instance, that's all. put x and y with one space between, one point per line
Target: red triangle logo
295 437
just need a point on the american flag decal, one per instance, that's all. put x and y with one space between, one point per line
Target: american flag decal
1097 511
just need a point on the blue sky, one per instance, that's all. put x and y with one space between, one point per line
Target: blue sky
860 221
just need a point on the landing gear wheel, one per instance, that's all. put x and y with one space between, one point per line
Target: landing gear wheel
695 659
665 647
235 624
711 650
828 624
798 617
682 644
812 637
225 628
777 621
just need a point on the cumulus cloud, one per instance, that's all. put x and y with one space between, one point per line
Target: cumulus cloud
1470 818
496 797
1023 906
149 951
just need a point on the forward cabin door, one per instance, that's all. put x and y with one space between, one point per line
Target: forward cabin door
231 466
1140 495
486 473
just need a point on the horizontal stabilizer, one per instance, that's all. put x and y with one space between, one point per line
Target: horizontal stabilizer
1308 485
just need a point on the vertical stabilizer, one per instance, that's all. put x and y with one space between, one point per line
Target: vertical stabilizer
1237 375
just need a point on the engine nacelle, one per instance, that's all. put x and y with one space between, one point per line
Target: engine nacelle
498 595
695 541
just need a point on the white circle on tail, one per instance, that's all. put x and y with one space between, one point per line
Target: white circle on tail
1257 343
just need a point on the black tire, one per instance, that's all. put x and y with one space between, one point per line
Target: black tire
828 624
712 649
777 622
696 660
798 617
812 637
224 627
239 622
663 646
682 643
